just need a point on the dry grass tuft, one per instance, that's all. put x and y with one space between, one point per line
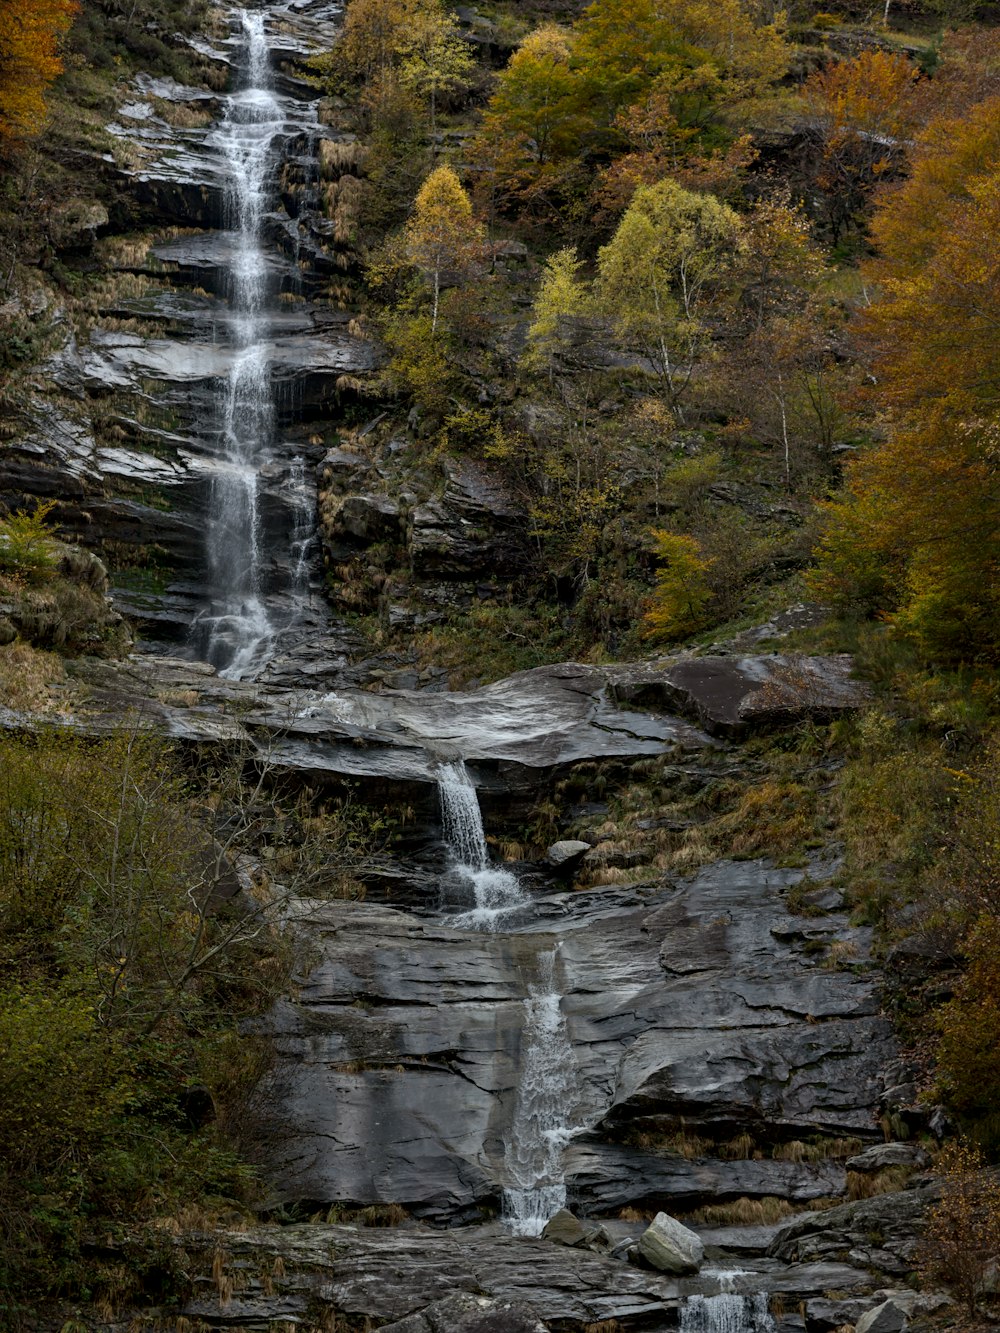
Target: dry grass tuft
867 1185
744 1212
337 157
816 1150
342 200
27 676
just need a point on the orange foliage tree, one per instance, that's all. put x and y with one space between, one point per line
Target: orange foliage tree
917 534
865 110
30 34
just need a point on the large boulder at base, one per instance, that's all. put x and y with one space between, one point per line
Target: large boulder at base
882 1232
670 1246
885 1318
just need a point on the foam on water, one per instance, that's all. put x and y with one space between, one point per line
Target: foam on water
541 1126
495 892
728 1312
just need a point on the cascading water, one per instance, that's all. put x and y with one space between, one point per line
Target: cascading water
728 1312
534 1185
540 1128
235 630
495 891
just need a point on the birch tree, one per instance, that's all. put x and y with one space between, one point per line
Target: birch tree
442 237
669 254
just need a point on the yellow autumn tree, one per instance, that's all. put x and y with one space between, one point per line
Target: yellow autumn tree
442 237
682 594
561 296
671 253
661 70
866 110
30 35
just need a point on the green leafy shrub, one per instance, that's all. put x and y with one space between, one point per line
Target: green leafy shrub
128 959
26 543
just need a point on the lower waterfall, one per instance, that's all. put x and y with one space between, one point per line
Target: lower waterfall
534 1186
727 1312
495 891
541 1125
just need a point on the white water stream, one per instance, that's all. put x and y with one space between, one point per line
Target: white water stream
728 1312
534 1184
541 1125
235 631
496 892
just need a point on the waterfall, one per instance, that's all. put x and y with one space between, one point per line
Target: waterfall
236 630
495 891
534 1184
540 1127
728 1312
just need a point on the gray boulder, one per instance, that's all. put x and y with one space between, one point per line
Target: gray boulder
731 696
882 1155
885 1318
669 1246
565 854
367 518
565 1228
467 1313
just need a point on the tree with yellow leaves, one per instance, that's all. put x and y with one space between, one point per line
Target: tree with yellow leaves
669 255
561 297
30 34
660 70
683 592
442 237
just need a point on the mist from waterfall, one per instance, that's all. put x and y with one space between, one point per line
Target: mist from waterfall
495 891
541 1126
728 1312
235 631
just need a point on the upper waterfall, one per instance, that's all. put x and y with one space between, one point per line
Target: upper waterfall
236 627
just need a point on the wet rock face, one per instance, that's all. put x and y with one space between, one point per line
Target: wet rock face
418 1280
130 438
515 734
434 1281
689 1004
455 530
882 1232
